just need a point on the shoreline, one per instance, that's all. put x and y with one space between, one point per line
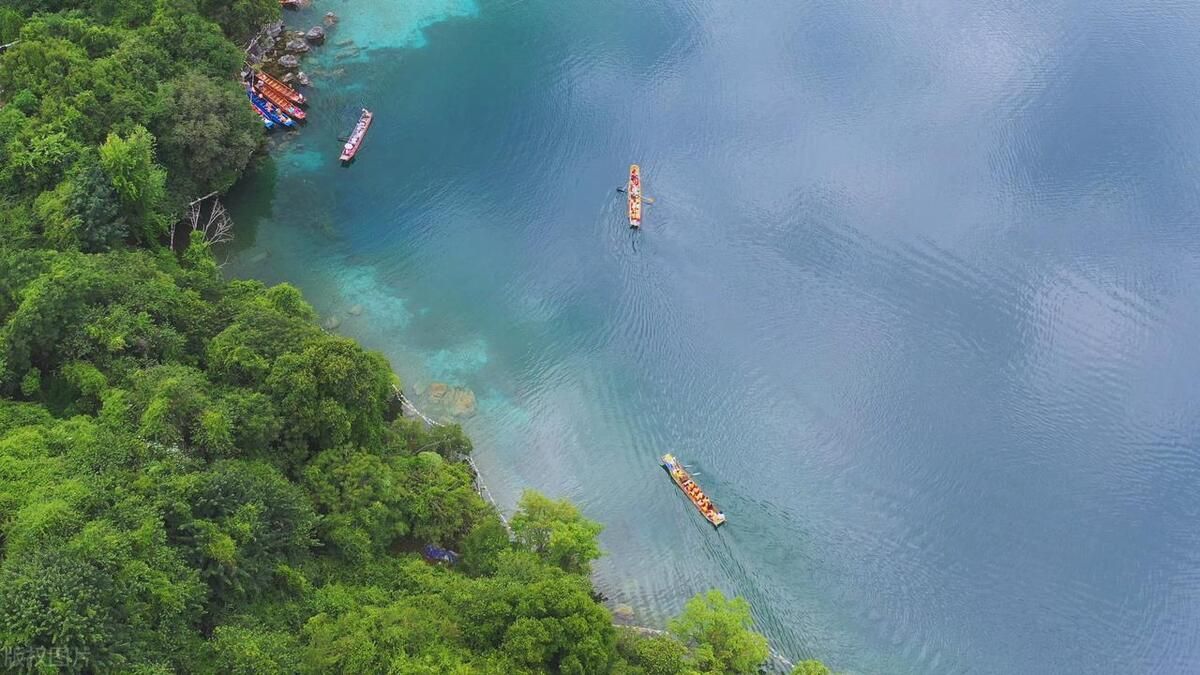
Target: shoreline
622 619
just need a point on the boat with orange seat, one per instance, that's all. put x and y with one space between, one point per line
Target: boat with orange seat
634 191
264 80
684 480
290 109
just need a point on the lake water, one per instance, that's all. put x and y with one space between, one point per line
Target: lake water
919 298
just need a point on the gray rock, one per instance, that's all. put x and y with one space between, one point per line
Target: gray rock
303 79
355 310
287 77
330 18
298 46
289 61
315 35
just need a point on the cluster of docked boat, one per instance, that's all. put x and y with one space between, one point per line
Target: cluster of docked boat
276 103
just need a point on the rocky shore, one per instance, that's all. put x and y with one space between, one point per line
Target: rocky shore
278 50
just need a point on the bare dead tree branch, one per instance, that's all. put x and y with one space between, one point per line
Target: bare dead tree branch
197 200
217 227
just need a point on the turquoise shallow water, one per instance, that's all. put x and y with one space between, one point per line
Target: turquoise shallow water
917 299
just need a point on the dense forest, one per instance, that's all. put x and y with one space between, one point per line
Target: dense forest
194 477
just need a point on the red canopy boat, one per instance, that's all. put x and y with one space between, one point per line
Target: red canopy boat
356 137
634 190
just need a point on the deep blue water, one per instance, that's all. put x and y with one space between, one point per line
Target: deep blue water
918 299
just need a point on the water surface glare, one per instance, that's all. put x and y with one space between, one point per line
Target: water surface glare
918 299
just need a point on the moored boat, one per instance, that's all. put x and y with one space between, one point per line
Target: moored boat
265 80
269 111
290 4
278 100
266 122
354 142
684 480
634 191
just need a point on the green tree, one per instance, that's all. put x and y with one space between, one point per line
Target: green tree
415 635
653 655
811 667
10 24
237 521
138 181
238 650
557 532
240 18
330 394
718 632
206 133
483 545
96 207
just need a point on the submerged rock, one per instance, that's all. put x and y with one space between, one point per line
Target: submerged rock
437 390
355 310
462 403
330 18
331 323
259 257
302 78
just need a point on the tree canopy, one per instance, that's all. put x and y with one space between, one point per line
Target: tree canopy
718 632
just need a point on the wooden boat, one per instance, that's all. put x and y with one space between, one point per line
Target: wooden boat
684 480
269 111
266 122
280 101
634 191
354 142
290 4
265 80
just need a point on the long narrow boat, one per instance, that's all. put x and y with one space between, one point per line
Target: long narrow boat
279 101
271 112
266 122
684 480
268 81
354 142
634 190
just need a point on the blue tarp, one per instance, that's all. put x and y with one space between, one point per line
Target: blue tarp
437 554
